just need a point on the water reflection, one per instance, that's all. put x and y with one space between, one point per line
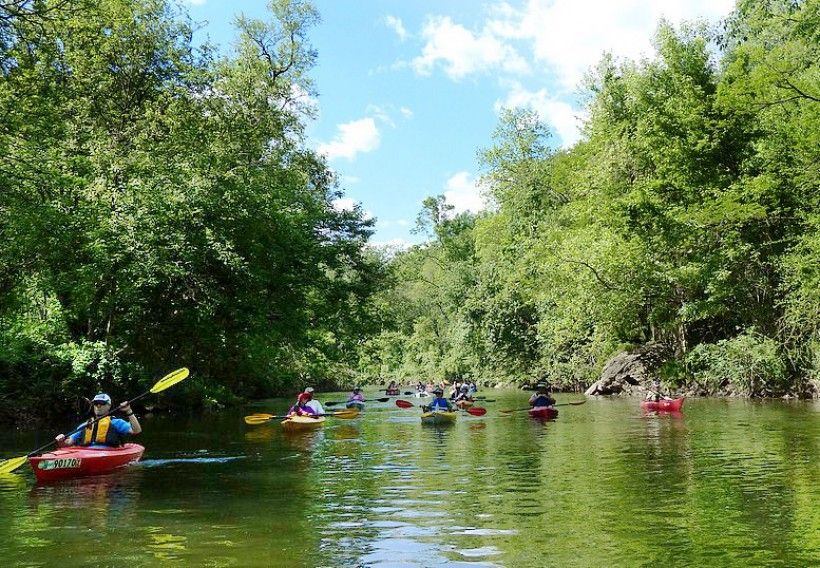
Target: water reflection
724 483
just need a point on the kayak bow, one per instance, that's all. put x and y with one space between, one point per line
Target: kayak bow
543 413
663 405
304 422
438 417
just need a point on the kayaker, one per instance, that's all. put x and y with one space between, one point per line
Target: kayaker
655 393
356 395
464 393
392 389
541 398
439 403
106 432
455 389
313 403
302 405
421 387
473 387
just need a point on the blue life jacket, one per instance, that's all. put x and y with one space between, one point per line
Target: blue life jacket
439 403
543 400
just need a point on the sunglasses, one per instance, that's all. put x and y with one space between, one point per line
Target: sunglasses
99 403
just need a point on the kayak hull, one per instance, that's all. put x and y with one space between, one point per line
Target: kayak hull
543 413
71 462
422 394
305 422
439 418
464 403
389 392
358 405
663 405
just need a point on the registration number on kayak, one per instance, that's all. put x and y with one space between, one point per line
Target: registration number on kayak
63 463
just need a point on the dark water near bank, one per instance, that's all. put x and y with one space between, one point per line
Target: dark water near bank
728 483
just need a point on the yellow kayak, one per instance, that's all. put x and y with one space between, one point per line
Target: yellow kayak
438 417
304 422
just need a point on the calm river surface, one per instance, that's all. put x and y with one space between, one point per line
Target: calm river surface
727 483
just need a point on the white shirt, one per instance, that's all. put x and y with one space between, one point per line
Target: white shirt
317 406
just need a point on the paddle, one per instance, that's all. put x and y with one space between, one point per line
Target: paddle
261 418
165 382
576 403
474 410
382 399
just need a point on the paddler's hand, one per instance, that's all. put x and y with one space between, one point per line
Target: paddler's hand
126 408
60 439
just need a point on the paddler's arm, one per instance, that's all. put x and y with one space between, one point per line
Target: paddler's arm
63 440
131 417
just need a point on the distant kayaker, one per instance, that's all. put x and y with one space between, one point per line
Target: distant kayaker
542 397
473 387
655 393
392 389
356 395
313 403
439 403
106 432
455 389
463 393
421 387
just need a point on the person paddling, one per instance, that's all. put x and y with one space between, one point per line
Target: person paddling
439 403
356 395
654 394
302 405
313 403
107 432
541 398
464 393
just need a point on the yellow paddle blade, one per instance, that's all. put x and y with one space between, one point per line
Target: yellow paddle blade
170 380
258 419
8 466
346 414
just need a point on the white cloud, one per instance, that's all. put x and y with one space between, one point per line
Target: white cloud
564 120
570 36
461 52
406 113
196 2
353 138
343 204
397 26
463 193
382 114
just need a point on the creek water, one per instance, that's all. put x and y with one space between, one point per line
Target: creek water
725 483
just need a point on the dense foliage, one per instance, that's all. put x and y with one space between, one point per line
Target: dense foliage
687 216
159 208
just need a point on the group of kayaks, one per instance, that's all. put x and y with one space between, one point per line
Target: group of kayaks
71 462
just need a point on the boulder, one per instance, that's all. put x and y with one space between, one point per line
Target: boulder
629 372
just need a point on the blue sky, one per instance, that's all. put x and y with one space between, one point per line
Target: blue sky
410 90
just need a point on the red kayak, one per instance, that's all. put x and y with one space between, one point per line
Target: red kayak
543 413
69 462
664 405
